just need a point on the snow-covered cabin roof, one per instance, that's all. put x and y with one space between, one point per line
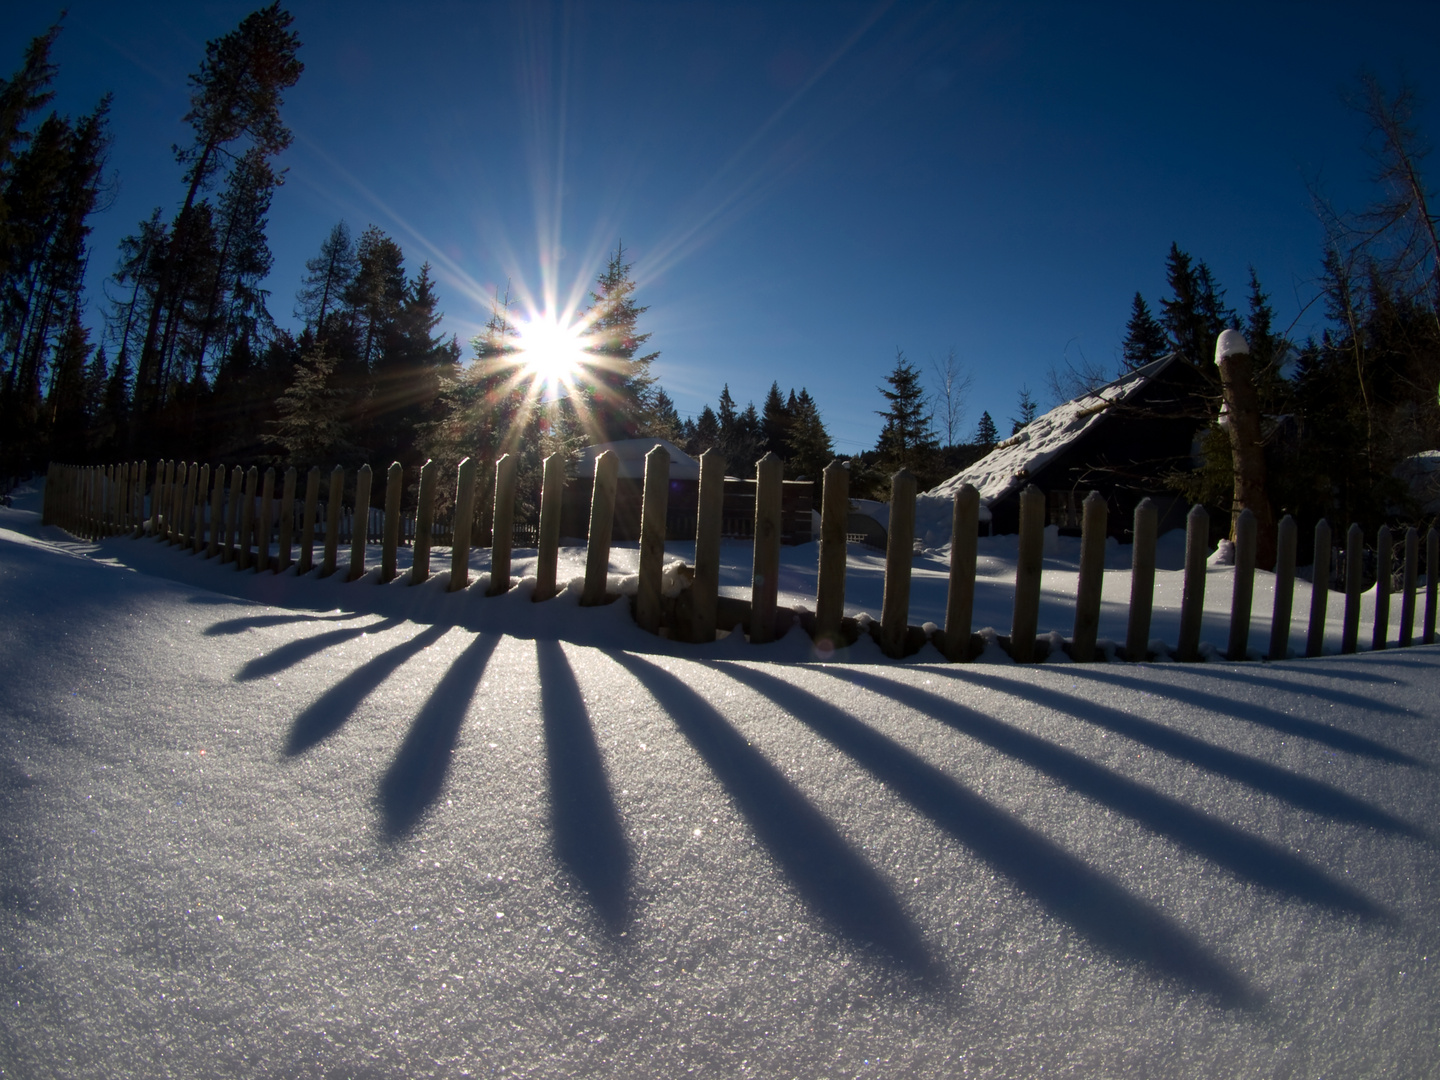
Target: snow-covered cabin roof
1013 461
631 453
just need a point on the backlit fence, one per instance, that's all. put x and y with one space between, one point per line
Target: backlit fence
237 515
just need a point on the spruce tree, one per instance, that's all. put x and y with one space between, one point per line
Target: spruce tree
312 426
327 277
620 379
706 435
775 422
986 434
1027 410
663 421
907 439
1145 340
809 448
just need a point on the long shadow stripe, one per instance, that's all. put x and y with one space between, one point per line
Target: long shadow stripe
1336 738
589 838
417 774
1290 787
829 875
292 652
1096 906
251 622
327 713
1247 856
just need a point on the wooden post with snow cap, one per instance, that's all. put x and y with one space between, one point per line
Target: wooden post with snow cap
394 481
960 596
1192 595
307 523
1354 581
1407 597
899 554
1384 556
360 528
424 523
1319 590
247 517
1242 599
217 513
705 589
502 526
334 494
286 541
464 516
552 491
1092 578
830 584
1241 420
1025 620
267 520
765 562
654 504
1432 563
1142 581
602 519
1285 539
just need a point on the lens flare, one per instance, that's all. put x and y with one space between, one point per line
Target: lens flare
552 352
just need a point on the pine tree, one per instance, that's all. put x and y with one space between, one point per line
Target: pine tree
706 435
1027 409
312 425
1196 313
376 293
24 93
620 379
809 448
1145 340
327 278
986 434
775 422
664 420
907 440
65 405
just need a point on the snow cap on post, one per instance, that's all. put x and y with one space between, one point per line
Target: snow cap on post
1230 343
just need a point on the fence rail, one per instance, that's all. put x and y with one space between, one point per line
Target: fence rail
238 516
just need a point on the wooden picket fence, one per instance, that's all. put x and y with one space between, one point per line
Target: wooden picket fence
234 516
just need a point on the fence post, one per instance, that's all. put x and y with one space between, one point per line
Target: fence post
960 596
1407 599
200 498
1384 557
485 507
1092 578
217 513
830 585
394 478
286 540
1284 588
142 470
267 516
464 517
187 505
502 528
705 589
602 518
174 502
1142 581
424 523
1319 590
1243 596
1354 580
360 526
307 524
232 516
1192 596
334 493
654 505
1025 620
899 554
552 491
765 563
247 517
1432 562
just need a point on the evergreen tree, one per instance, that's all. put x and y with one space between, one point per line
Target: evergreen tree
749 445
664 419
376 294
775 422
1027 408
706 435
620 379
809 448
327 279
986 434
312 425
1196 313
24 93
1145 340
907 439
65 405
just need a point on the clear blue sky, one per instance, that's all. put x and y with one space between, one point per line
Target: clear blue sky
803 188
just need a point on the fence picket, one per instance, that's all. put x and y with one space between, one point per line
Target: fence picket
1192 596
899 554
1285 542
1092 578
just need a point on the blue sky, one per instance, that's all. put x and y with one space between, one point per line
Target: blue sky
803 188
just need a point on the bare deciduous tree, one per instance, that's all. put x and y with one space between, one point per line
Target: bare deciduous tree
952 384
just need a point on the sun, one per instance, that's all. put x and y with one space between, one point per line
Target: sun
551 351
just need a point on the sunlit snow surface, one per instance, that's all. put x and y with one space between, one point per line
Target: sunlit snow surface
259 826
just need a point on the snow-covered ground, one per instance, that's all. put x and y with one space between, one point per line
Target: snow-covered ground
254 825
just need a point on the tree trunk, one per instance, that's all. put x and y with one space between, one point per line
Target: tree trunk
1242 411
